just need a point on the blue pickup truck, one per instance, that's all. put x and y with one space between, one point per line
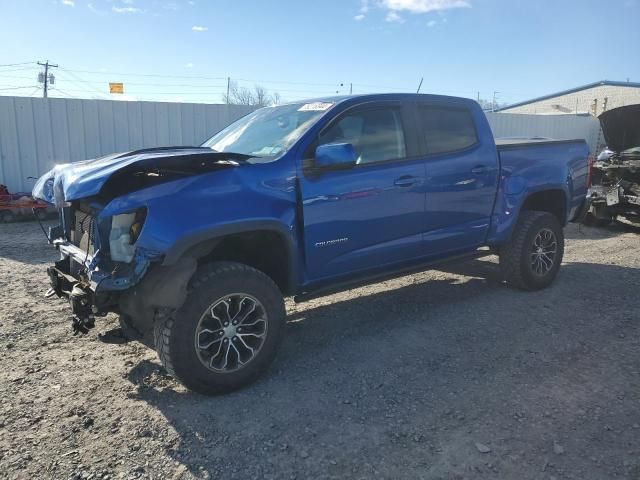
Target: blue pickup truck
196 247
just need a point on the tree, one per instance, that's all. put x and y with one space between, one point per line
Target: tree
256 97
488 105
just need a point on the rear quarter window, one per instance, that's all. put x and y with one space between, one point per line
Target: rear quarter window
447 129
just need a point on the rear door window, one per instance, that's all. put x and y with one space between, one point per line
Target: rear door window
447 129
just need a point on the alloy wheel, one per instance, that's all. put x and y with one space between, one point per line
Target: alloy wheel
543 252
231 332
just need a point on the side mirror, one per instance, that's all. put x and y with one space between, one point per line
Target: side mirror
335 155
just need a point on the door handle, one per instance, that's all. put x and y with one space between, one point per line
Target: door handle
482 169
405 181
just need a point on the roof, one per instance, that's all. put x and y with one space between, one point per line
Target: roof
572 90
374 97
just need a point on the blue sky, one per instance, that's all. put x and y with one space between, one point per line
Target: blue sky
180 50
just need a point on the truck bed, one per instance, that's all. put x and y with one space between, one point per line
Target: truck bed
514 142
545 161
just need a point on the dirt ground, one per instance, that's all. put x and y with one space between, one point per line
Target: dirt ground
445 375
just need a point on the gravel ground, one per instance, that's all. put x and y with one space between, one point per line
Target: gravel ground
446 375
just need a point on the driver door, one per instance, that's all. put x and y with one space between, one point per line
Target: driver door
372 214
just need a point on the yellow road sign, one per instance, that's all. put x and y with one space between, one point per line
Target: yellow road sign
116 87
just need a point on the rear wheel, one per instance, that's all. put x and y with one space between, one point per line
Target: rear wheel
531 260
226 333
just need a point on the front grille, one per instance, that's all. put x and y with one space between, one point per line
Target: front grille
83 229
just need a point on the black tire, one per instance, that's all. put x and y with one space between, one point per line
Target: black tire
175 335
517 256
7 216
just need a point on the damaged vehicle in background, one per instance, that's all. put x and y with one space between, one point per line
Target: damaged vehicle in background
196 247
615 189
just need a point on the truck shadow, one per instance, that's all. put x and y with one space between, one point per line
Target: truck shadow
344 356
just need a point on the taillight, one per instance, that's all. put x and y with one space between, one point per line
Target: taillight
589 170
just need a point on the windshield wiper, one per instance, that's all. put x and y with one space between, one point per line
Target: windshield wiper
234 155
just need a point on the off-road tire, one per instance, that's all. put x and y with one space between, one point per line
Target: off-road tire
515 257
174 333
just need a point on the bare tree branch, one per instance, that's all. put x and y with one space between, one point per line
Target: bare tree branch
258 97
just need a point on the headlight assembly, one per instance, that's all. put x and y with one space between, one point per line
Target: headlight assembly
125 230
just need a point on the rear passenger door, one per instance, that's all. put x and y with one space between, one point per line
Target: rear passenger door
461 178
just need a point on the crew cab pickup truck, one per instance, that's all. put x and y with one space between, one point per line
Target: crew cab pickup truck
196 247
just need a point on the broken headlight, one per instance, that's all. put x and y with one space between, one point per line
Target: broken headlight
125 230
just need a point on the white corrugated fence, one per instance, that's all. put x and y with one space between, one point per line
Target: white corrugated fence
37 133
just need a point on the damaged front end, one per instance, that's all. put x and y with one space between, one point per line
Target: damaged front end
99 260
106 247
615 190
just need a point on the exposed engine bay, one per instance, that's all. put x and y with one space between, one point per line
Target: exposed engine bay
102 211
615 190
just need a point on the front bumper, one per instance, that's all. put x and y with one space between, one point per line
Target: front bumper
91 284
98 274
80 296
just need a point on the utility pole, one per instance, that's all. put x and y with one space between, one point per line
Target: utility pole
351 89
493 103
46 79
228 88
420 84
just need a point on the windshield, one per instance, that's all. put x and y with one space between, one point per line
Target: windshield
268 132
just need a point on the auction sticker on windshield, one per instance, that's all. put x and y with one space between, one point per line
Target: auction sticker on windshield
315 107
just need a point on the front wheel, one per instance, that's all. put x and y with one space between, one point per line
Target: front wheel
226 333
531 260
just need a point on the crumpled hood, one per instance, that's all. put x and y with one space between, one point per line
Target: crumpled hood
621 127
73 181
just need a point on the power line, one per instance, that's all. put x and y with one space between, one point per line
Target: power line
199 77
78 81
30 94
16 64
89 83
21 69
144 74
249 80
332 85
216 92
16 76
15 87
64 93
100 82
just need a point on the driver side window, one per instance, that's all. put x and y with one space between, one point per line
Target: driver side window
376 134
